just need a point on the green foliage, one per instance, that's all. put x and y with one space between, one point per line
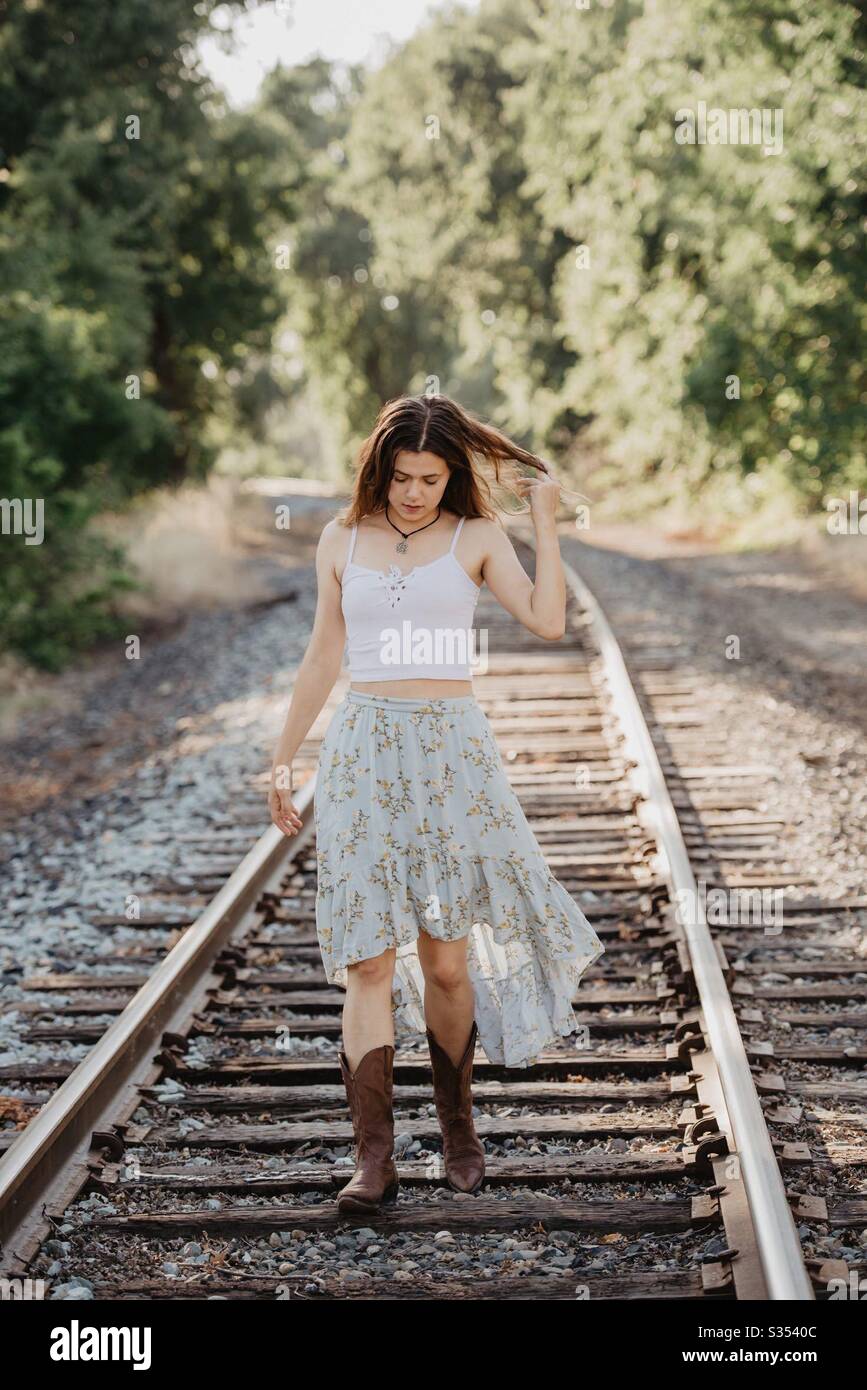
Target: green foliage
141 261
553 129
61 596
708 261
421 229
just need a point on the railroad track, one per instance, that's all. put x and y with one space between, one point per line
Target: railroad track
675 1148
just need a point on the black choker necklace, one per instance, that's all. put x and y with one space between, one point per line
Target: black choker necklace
402 545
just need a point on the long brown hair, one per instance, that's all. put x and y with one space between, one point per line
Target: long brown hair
437 424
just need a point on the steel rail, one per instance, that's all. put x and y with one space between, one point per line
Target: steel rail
35 1169
776 1235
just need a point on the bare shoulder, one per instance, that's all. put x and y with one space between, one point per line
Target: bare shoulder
482 527
486 536
333 544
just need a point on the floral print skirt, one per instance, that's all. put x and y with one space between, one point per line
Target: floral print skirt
418 828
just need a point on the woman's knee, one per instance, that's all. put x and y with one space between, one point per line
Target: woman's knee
376 970
445 968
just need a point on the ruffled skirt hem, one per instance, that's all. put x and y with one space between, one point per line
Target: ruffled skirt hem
525 960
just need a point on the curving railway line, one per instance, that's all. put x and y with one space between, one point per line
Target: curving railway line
682 1145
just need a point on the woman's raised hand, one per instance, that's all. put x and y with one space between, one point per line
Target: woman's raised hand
543 491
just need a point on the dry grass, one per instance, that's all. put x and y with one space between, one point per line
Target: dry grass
187 547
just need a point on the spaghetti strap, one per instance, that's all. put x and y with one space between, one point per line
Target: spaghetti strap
455 536
352 544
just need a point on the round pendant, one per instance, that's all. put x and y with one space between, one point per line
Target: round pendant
401 547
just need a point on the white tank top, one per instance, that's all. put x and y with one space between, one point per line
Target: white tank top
413 626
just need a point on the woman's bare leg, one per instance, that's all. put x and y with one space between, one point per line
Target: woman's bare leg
449 1003
367 1017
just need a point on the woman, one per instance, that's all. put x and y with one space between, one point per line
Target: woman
434 904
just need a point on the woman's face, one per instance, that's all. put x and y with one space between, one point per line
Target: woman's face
418 482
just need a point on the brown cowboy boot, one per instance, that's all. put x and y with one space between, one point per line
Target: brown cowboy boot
369 1089
462 1149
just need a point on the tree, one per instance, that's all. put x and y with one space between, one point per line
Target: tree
139 230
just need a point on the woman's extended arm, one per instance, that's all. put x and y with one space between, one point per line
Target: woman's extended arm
540 606
316 676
